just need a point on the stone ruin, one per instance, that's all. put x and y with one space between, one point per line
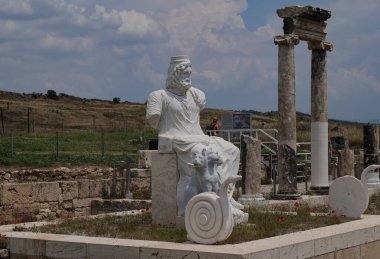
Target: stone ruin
305 23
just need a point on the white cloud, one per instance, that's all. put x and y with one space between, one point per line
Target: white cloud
16 7
346 83
109 18
7 27
203 23
66 44
138 24
144 70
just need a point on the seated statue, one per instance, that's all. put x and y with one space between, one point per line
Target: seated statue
175 113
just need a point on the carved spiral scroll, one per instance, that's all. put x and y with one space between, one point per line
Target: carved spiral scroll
208 217
203 218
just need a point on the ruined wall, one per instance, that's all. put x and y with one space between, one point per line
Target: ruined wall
20 202
10 175
39 193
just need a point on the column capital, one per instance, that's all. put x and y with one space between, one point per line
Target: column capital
320 45
287 39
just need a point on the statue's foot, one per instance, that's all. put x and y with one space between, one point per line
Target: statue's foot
236 204
239 216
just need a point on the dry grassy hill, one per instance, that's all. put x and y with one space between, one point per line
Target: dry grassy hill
73 113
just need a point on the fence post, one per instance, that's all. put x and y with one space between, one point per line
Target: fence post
142 139
29 119
2 120
128 193
102 143
11 142
57 144
62 125
113 193
274 176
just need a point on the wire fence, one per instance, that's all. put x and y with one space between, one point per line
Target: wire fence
74 147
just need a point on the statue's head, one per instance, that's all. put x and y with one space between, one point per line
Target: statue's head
178 80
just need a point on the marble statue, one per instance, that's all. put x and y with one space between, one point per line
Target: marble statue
175 113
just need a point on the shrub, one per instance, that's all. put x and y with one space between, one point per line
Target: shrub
116 100
51 94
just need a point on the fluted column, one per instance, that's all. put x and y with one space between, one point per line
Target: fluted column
287 165
319 117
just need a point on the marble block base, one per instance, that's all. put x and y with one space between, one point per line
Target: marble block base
164 189
373 180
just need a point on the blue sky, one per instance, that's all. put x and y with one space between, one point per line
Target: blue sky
105 49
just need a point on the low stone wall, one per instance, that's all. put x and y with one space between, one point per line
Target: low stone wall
20 202
354 239
35 194
11 175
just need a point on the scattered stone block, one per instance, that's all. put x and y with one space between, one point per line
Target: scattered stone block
144 159
4 253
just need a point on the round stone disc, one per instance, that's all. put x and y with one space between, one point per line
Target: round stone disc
347 197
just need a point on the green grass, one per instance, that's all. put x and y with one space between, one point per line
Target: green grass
74 148
374 205
262 224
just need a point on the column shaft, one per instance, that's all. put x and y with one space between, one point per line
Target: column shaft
319 117
287 165
319 120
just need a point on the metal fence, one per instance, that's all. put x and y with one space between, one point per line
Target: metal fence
72 147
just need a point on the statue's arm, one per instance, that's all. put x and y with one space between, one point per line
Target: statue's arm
153 109
199 97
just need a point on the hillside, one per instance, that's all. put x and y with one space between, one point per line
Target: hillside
69 113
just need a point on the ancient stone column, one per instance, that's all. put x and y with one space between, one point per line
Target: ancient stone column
251 170
346 162
371 144
319 118
287 166
371 152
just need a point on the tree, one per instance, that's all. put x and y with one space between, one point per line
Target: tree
51 94
116 100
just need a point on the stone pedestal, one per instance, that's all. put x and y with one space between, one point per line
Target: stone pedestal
251 170
164 189
287 114
251 164
346 162
288 178
319 118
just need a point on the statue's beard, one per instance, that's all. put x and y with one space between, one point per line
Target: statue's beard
178 87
